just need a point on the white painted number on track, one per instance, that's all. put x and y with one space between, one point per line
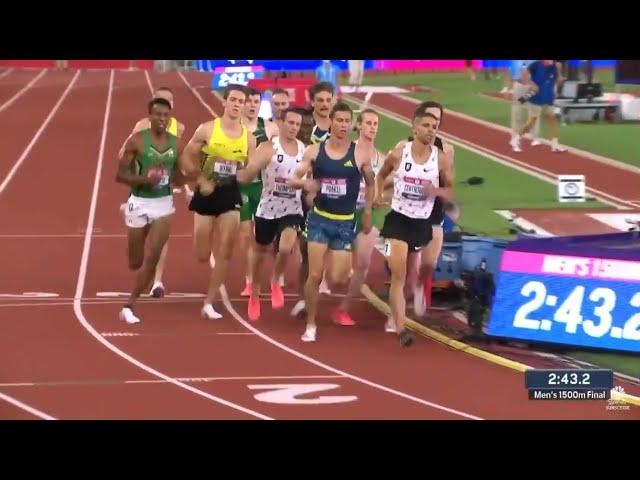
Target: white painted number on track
286 393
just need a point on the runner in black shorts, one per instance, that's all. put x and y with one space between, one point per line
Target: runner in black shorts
420 174
419 282
217 150
279 211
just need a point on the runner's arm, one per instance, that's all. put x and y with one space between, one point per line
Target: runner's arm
141 124
390 164
180 130
445 191
190 160
257 162
370 183
179 177
124 174
251 150
306 164
451 153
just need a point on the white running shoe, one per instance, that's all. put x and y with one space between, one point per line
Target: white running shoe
209 312
212 261
297 308
127 315
324 288
390 325
536 142
515 145
309 334
281 280
419 302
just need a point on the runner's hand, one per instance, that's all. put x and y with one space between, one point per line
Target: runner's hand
429 190
311 186
154 176
379 200
206 186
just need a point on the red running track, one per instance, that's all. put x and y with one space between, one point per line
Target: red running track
75 359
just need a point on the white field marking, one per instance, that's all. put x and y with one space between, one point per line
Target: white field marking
30 295
146 76
522 223
182 379
617 220
35 138
197 94
9 102
26 407
6 72
106 301
81 235
133 334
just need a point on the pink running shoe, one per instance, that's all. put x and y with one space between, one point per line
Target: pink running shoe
277 297
342 318
248 288
253 308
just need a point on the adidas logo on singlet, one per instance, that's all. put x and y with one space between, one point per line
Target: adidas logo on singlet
348 163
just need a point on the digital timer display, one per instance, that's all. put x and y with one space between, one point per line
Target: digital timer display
575 379
568 299
224 76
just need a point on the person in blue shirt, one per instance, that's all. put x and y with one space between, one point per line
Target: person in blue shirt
542 77
327 72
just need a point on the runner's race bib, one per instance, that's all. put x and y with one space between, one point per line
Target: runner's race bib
333 187
225 168
412 188
282 190
164 177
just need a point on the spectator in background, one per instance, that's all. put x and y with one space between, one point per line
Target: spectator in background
517 89
469 68
356 71
327 72
542 76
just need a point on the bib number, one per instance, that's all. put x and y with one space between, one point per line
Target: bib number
223 168
282 190
164 177
387 248
333 187
412 188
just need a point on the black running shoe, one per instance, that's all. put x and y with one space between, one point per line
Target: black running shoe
406 338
